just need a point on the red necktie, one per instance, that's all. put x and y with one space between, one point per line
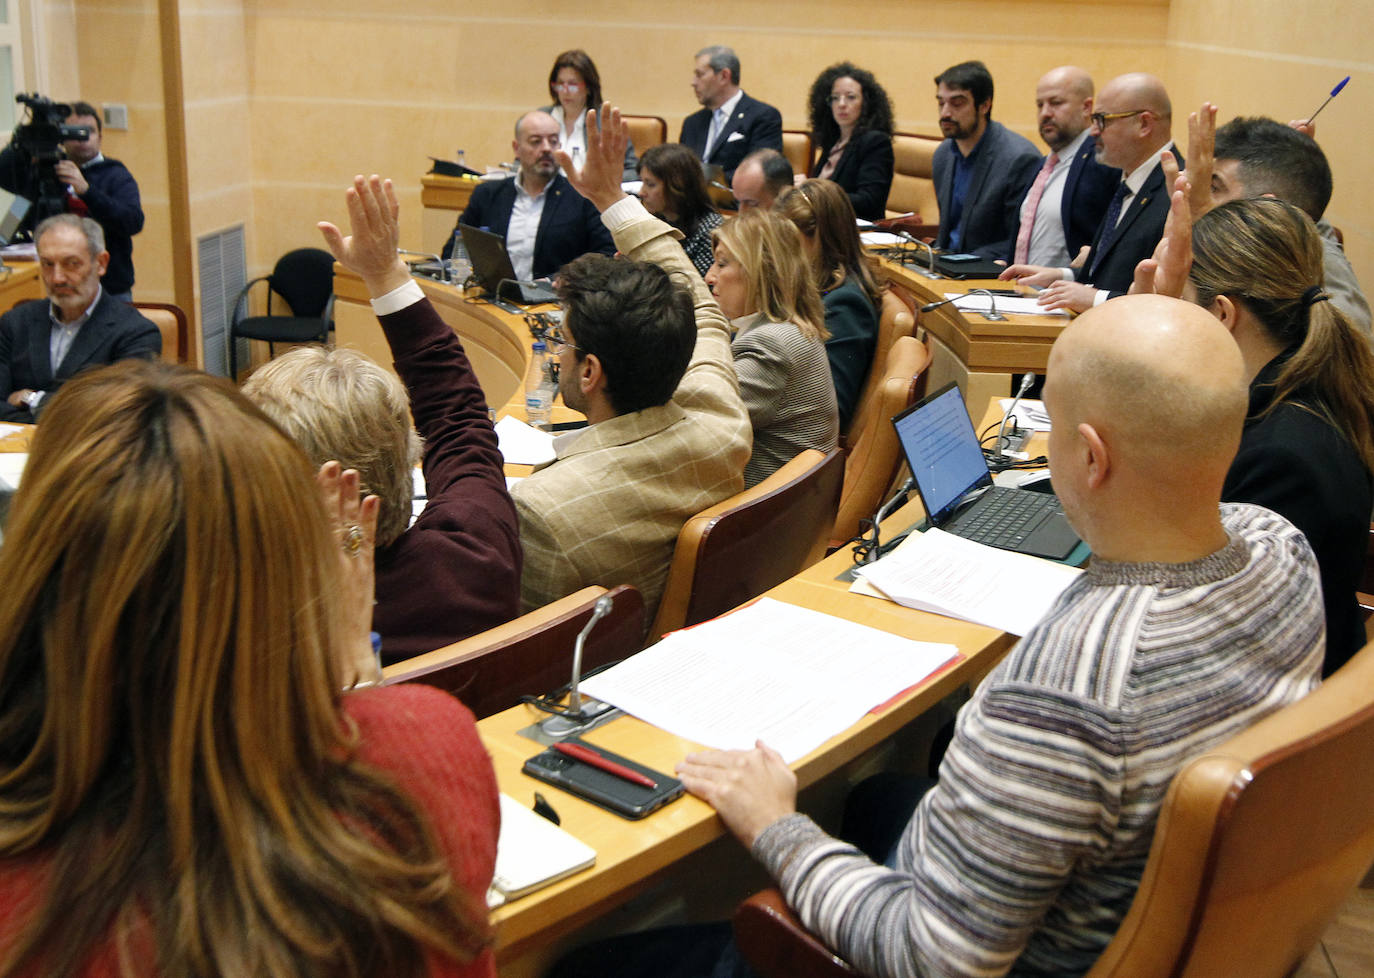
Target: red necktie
1037 190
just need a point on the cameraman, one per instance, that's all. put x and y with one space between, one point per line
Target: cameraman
95 186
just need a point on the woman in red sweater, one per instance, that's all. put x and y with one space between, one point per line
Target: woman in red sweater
184 790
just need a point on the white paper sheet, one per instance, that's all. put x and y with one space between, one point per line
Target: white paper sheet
948 575
12 467
881 239
775 672
522 444
1028 414
1010 305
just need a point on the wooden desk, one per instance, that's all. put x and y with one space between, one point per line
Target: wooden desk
443 199
497 342
980 356
629 854
20 284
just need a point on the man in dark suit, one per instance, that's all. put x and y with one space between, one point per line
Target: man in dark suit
1070 194
981 170
731 125
546 223
79 325
1130 128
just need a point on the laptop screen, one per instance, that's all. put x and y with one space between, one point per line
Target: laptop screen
15 208
942 450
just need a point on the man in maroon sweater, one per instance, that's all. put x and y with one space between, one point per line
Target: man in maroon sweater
456 570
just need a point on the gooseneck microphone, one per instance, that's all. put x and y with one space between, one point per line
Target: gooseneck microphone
443 265
1000 456
600 610
580 715
992 315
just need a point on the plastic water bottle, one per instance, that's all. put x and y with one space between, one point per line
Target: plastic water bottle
459 266
538 388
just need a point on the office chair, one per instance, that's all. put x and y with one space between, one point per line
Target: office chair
874 452
305 279
1259 842
744 545
172 323
531 655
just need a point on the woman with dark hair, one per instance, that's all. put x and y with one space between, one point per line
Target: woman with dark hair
764 286
674 190
851 129
184 788
1307 451
575 87
850 283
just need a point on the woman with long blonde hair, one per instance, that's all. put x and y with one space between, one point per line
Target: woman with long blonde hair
184 788
1307 451
763 281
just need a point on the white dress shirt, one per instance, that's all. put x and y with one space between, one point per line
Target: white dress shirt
524 228
1047 244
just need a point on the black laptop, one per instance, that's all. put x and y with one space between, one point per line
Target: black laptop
955 483
492 268
15 209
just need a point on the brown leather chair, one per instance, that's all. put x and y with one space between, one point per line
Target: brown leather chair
796 146
744 545
646 131
172 324
913 182
896 318
874 452
531 655
1260 840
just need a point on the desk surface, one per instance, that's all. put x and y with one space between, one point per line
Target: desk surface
630 853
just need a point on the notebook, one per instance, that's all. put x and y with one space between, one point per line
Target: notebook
948 467
493 270
531 853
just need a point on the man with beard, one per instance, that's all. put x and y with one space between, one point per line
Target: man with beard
1065 204
546 223
982 170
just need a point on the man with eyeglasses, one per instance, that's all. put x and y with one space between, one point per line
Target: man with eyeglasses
730 124
982 170
1130 129
546 223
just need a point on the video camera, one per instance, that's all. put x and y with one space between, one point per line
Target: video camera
38 139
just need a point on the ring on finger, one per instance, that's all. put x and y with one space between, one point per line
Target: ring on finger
353 540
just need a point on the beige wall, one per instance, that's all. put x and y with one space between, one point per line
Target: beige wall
286 99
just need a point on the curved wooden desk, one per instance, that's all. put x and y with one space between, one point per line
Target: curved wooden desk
442 199
497 342
980 356
20 284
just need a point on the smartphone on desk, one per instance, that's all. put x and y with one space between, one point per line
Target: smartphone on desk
602 788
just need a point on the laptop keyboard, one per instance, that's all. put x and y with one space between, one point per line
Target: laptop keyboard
1004 517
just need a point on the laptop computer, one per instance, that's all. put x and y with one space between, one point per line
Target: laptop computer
494 272
15 209
948 468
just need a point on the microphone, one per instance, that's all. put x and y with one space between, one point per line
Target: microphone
932 306
883 510
999 457
992 315
580 718
930 252
443 265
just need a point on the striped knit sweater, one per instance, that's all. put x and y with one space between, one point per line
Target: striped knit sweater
1027 854
784 379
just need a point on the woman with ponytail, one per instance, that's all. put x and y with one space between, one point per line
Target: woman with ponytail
1308 446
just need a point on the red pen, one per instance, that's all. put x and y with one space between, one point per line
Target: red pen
588 756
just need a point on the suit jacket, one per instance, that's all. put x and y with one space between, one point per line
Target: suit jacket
864 171
1087 195
115 331
753 125
608 509
1112 266
568 228
1004 170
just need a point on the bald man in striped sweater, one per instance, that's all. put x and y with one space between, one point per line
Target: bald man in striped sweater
1193 621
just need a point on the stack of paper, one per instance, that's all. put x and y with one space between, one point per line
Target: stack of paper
523 444
531 853
948 575
775 672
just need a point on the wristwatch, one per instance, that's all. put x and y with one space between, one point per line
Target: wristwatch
31 399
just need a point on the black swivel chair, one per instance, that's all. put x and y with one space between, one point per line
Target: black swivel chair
305 279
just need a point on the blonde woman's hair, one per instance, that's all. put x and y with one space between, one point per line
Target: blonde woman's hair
1267 256
341 405
171 738
769 249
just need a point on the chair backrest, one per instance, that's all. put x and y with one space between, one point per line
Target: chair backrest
531 655
895 319
1260 840
171 322
913 172
748 543
646 131
796 146
305 279
874 452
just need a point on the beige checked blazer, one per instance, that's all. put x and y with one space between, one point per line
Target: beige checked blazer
608 510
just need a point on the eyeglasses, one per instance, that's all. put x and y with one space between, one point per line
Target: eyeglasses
568 86
1100 119
558 342
847 98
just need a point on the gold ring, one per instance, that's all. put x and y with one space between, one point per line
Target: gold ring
353 540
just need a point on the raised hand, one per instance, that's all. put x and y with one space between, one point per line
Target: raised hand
1167 272
370 250
354 521
599 178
